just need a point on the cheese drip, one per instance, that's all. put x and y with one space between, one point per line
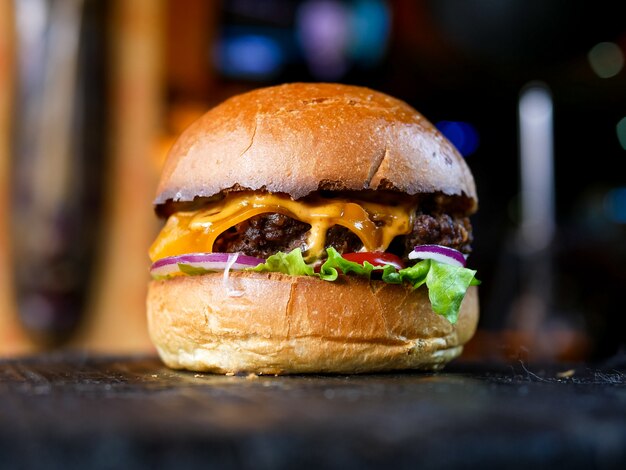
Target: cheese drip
191 232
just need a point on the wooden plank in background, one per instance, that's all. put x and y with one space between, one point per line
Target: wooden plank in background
116 319
13 339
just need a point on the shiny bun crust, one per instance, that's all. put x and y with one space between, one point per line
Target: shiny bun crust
276 324
301 137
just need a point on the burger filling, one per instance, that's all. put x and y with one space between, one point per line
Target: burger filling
263 224
327 234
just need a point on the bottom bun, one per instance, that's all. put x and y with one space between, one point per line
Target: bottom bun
278 324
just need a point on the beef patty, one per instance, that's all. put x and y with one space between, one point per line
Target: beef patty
266 234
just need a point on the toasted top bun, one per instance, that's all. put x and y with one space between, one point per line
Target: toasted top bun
302 137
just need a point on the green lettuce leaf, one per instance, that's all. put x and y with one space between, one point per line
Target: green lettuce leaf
447 286
192 270
287 263
414 275
335 263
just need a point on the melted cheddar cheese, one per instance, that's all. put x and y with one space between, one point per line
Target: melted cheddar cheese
191 232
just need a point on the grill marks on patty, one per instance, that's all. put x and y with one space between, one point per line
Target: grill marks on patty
265 234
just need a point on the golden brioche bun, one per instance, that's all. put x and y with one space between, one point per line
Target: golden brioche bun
277 324
301 137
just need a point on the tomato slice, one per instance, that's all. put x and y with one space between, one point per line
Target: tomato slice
375 258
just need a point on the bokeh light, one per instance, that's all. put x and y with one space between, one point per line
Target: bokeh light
370 27
621 132
615 205
252 56
334 36
462 135
323 27
606 59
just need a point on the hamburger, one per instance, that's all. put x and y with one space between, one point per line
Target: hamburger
312 228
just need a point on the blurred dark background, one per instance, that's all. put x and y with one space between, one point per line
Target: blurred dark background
553 290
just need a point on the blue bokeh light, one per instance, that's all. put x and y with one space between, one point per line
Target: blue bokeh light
370 28
462 135
250 55
615 205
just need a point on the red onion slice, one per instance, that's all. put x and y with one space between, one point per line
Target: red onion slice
440 253
208 261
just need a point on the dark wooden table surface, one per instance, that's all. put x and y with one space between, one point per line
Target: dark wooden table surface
77 411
